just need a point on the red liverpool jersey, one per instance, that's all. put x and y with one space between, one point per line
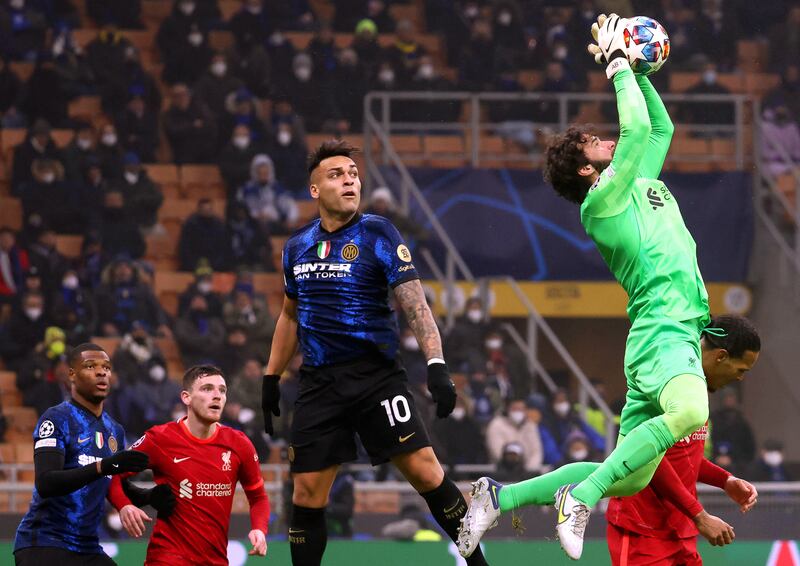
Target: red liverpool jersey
202 474
648 514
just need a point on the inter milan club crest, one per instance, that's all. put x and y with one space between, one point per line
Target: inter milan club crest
323 249
112 444
98 439
350 252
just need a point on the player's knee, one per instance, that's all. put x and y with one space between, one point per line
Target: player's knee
304 496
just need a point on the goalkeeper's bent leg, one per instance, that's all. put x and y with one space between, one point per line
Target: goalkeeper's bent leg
684 400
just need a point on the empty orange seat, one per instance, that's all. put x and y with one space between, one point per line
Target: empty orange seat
85 108
11 212
165 175
202 181
69 245
108 343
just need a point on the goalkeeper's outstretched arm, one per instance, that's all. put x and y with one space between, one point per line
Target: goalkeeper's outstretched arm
661 130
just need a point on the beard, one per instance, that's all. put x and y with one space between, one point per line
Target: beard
600 165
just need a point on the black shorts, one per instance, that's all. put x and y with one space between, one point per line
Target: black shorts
39 555
369 397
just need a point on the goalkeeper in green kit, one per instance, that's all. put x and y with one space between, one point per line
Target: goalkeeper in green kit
639 231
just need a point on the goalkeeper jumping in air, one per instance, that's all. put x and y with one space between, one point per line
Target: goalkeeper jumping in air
637 226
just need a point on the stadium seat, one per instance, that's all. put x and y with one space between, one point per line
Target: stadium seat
201 181
23 70
10 138
752 55
529 80
21 419
7 452
87 108
161 247
69 245
409 147
759 84
11 212
166 175
107 343
62 137
10 395
444 151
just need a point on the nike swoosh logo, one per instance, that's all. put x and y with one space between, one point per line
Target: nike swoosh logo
179 460
82 440
295 531
561 516
494 495
456 504
115 465
404 438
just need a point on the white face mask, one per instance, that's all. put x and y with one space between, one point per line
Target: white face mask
504 18
109 139
494 343
158 373
84 143
303 73
253 9
773 458
474 315
131 177
580 454
709 77
204 287
241 141
459 413
277 38
284 137
386 76
17 4
425 72
561 408
471 11
33 313
560 53
70 282
246 415
410 343
48 178
187 8
218 68
195 38
516 417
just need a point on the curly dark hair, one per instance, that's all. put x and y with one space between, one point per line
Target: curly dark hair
563 158
740 337
330 148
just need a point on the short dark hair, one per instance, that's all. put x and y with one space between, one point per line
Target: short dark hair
741 336
563 158
330 148
75 353
196 372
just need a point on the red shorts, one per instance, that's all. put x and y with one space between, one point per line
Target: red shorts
632 549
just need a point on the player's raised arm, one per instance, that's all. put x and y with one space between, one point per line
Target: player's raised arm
613 189
284 346
411 297
660 133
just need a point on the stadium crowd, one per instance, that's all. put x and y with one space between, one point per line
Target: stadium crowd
247 108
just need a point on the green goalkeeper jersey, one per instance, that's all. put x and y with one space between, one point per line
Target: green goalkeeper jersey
635 220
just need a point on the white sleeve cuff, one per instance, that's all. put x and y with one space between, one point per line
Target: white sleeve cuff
435 361
616 66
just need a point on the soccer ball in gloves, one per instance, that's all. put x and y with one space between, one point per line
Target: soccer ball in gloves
647 44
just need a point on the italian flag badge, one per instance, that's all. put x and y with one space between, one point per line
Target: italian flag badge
323 249
98 439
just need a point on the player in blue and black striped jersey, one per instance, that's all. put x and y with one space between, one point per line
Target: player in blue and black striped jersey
338 271
76 447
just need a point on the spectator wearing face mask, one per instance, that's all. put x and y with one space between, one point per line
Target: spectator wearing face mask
138 126
49 197
477 60
252 21
23 330
177 26
240 108
199 334
770 464
190 127
514 426
79 152
216 84
507 363
709 112
288 152
304 89
151 398
250 245
142 197
578 449
563 421
203 284
266 199
460 439
236 157
110 151
131 79
119 233
74 309
189 59
136 354
465 340
511 466
38 144
203 237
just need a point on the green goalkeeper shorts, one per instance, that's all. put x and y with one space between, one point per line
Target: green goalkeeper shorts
656 351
